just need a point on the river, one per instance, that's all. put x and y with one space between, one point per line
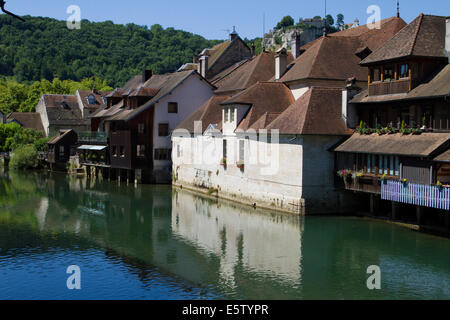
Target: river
155 242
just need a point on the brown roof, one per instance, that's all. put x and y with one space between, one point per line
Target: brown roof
209 113
63 110
62 134
423 145
334 56
84 95
216 52
108 112
438 87
318 111
28 120
423 37
246 73
263 97
443 157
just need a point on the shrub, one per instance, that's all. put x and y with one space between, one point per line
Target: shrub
25 157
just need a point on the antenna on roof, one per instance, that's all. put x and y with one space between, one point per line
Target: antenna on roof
2 6
398 9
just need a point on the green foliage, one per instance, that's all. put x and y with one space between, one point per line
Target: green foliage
339 20
25 157
287 21
24 97
278 40
7 131
44 48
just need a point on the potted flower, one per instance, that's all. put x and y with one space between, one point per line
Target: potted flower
383 179
240 164
404 182
223 162
439 185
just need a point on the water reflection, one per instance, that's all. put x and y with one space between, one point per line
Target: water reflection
187 246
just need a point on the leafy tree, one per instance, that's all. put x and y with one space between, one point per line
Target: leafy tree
7 131
287 21
44 48
339 20
329 19
25 137
25 157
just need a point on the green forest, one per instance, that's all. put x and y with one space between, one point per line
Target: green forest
44 48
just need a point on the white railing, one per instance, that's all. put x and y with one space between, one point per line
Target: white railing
417 194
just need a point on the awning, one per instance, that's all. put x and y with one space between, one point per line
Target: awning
423 145
93 148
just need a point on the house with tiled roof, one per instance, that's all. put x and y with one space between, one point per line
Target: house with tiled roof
264 148
27 120
138 120
403 122
211 61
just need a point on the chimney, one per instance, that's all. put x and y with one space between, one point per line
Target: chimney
295 45
349 114
203 65
280 63
234 34
146 74
447 38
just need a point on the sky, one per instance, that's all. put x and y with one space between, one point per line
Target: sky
214 18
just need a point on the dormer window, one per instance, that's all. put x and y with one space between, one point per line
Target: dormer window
232 112
64 105
91 99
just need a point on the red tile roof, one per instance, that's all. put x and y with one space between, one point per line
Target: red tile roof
317 112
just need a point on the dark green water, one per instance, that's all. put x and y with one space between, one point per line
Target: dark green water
152 242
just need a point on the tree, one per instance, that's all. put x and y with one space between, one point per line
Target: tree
287 21
329 19
25 157
340 20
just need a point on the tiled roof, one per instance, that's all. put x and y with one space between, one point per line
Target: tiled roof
263 97
62 134
209 113
84 94
29 120
423 37
216 52
423 145
246 73
63 110
334 56
317 112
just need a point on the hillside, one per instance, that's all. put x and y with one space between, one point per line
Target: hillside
44 48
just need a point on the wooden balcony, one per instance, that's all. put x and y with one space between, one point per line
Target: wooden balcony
416 194
367 183
392 87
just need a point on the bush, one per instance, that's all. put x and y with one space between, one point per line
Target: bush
25 157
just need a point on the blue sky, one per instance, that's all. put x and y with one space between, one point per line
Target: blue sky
212 18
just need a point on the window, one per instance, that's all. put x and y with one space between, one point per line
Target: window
380 164
61 151
397 166
163 129
140 151
404 71
172 107
376 74
114 151
163 154
122 151
224 148
232 111
391 165
369 165
225 110
91 99
388 74
241 150
141 128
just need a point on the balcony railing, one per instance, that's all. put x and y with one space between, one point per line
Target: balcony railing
369 184
392 87
416 194
93 137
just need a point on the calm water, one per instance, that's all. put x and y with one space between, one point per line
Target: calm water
152 242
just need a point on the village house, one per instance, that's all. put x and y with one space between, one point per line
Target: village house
27 120
211 61
138 120
62 112
291 168
400 152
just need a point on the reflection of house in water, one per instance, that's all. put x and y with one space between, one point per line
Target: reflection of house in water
260 243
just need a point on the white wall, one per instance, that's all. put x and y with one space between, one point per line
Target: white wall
190 95
298 90
40 108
